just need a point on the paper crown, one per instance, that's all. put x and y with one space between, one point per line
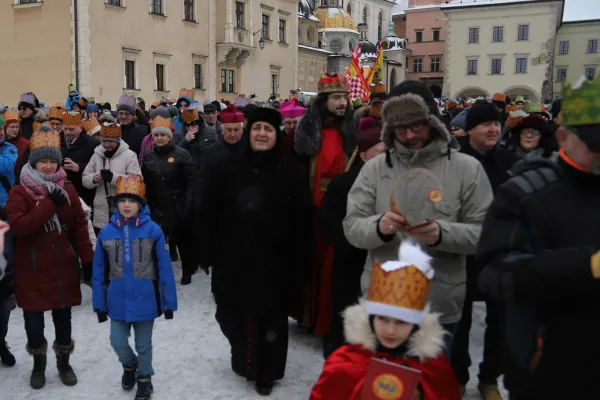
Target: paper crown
519 99
186 93
10 117
91 126
378 89
533 108
499 97
161 124
291 109
44 139
581 103
190 115
72 118
59 104
399 289
28 97
83 102
332 83
110 131
132 185
127 99
231 115
155 104
56 113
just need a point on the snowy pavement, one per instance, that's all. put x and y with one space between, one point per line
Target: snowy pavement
191 357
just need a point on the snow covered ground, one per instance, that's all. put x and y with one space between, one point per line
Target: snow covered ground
191 357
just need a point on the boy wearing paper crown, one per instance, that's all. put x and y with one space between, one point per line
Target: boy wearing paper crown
395 324
133 282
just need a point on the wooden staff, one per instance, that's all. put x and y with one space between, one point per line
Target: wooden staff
352 159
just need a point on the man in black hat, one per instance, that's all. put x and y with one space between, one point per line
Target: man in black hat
211 115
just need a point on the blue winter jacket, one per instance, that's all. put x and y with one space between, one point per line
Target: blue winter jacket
8 158
132 273
72 100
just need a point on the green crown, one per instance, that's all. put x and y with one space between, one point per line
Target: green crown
581 103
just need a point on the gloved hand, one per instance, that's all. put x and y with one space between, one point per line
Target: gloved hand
86 270
58 197
102 316
106 175
595 263
168 314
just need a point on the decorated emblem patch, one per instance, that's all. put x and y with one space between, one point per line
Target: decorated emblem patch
435 196
388 387
170 159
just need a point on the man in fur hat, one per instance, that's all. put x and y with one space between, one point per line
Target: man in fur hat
29 108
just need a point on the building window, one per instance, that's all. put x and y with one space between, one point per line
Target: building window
496 66
523 32
198 81
417 65
592 46
129 74
471 67
114 3
590 73
188 10
436 63
563 47
561 74
239 14
160 77
274 85
28 1
380 25
393 78
282 31
231 81
473 35
265 27
418 36
156 7
436 35
521 66
223 80
364 15
498 34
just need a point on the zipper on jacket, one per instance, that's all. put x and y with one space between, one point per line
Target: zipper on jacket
34 260
117 252
59 270
141 248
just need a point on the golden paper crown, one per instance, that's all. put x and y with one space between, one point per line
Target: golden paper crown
83 102
56 113
91 126
110 131
332 83
59 104
186 93
581 103
378 88
72 119
190 115
131 185
44 139
10 115
160 122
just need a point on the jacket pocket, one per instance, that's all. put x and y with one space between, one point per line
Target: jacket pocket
112 249
447 210
143 263
34 263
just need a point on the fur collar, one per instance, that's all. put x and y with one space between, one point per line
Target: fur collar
38 116
427 342
307 139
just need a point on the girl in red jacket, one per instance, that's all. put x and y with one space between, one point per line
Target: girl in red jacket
395 325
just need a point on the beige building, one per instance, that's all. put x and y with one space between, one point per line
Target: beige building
150 48
576 53
312 60
504 46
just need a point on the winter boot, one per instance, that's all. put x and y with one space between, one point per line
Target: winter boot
144 387
186 279
489 391
6 356
66 373
38 375
264 388
128 379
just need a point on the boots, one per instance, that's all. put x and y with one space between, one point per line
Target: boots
128 379
489 391
144 387
186 279
6 356
38 375
264 388
66 373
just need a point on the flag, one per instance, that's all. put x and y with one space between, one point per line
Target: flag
355 75
376 72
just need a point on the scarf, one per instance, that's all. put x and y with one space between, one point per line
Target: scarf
38 186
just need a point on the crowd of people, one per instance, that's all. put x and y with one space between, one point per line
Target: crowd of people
374 226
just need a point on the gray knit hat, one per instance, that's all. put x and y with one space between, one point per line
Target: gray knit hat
160 111
44 144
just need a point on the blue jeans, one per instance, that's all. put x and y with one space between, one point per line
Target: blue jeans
119 340
6 306
449 338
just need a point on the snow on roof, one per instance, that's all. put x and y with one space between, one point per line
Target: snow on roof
339 30
475 3
301 46
581 10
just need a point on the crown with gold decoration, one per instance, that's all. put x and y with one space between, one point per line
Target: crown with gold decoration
190 115
131 186
581 103
110 132
72 119
44 139
91 126
332 83
399 289
56 113
186 93
162 125
10 117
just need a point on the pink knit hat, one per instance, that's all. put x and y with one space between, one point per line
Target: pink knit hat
291 109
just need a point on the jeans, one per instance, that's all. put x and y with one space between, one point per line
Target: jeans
6 306
119 340
449 338
34 327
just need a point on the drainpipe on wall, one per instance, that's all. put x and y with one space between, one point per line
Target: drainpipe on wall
76 33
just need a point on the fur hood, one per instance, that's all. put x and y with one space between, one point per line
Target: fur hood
427 342
38 116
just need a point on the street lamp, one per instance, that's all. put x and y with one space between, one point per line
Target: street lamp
261 42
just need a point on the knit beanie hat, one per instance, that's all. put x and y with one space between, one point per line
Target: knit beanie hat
92 107
131 187
44 145
110 132
368 133
160 111
231 115
126 103
162 125
480 113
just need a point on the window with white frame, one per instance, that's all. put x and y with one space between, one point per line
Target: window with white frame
496 66
116 3
160 78
274 84
189 11
523 32
264 33
223 80
435 63
282 30
561 74
240 11
498 34
198 77
27 1
161 62
563 47
471 67
130 72
157 7
590 73
419 36
473 35
417 65
521 65
231 83
436 35
592 46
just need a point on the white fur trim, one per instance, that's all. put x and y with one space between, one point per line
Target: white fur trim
401 313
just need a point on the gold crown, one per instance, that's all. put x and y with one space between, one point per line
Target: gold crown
133 185
378 88
91 126
112 131
190 115
44 139
581 103
10 115
72 119
59 104
406 287
56 113
186 93
83 102
160 122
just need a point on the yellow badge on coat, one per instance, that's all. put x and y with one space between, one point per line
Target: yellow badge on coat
170 159
435 196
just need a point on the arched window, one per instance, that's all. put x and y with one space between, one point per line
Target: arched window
380 25
393 78
364 15
349 8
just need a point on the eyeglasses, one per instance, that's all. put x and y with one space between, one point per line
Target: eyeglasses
23 108
418 127
531 132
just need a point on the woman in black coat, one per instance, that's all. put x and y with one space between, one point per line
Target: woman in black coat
256 231
170 176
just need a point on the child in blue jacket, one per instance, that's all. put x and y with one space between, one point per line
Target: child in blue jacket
133 282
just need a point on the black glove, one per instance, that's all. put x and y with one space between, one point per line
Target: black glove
86 270
168 314
102 316
58 197
106 175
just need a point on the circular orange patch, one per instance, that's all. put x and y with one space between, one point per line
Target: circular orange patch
435 196
171 159
388 387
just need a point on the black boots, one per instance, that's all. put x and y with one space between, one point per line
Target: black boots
66 373
38 375
186 279
264 388
128 379
144 387
7 358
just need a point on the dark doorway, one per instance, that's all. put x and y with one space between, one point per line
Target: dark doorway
436 90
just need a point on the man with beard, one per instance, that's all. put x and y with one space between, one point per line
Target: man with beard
325 141
232 128
28 107
540 245
131 132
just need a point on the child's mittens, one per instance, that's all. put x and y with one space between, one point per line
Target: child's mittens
102 316
168 314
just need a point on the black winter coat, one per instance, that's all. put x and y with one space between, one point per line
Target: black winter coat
255 229
170 177
133 135
80 152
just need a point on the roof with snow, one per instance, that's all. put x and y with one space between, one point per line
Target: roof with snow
484 3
